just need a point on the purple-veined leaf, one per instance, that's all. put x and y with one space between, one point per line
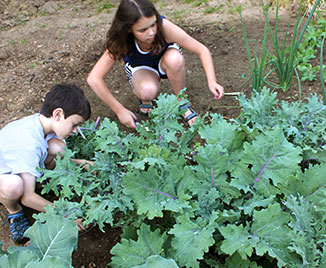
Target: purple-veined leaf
267 162
211 172
153 192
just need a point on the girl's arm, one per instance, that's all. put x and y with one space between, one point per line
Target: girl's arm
96 81
173 33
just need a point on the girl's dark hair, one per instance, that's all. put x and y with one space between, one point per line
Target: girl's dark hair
119 39
70 98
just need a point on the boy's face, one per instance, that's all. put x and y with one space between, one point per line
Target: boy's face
67 126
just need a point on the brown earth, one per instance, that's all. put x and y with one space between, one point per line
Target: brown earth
47 42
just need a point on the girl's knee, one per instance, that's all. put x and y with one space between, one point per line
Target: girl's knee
146 91
173 61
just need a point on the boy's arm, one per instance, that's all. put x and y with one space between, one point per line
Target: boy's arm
30 198
33 200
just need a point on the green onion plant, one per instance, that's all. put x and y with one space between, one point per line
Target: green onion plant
282 58
257 67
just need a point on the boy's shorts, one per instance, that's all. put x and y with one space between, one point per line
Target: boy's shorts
157 69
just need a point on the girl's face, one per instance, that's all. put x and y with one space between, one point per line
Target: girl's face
144 30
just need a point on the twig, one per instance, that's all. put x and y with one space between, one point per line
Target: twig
232 93
226 106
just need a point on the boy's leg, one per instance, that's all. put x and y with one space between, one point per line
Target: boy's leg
11 190
173 64
55 146
146 85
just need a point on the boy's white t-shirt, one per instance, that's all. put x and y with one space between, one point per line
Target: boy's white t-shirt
23 146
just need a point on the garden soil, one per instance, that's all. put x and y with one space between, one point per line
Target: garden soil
47 42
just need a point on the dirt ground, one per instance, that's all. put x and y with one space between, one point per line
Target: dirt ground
47 42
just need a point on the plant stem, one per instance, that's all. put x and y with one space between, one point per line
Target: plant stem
321 71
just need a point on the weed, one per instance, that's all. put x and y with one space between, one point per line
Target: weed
178 14
307 49
12 42
213 9
41 25
104 5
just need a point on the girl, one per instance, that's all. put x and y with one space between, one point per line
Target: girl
149 46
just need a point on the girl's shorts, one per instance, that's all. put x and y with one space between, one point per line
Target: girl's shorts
157 69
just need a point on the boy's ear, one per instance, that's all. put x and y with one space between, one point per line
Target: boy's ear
58 113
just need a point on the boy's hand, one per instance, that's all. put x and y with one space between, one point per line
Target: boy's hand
80 225
84 163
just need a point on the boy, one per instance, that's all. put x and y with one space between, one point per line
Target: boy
32 142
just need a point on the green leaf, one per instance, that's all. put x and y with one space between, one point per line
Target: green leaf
57 237
238 239
187 233
219 131
269 157
157 261
152 155
257 111
2 252
18 259
257 201
66 175
165 127
303 223
50 261
309 184
154 191
312 187
236 261
130 253
271 226
103 209
268 233
211 172
108 138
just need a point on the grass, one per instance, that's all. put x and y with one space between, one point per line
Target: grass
100 5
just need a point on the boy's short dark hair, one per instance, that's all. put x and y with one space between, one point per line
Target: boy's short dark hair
70 98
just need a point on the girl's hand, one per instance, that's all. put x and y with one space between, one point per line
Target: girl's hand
127 118
217 90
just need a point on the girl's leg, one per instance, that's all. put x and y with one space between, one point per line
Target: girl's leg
11 190
173 64
146 86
